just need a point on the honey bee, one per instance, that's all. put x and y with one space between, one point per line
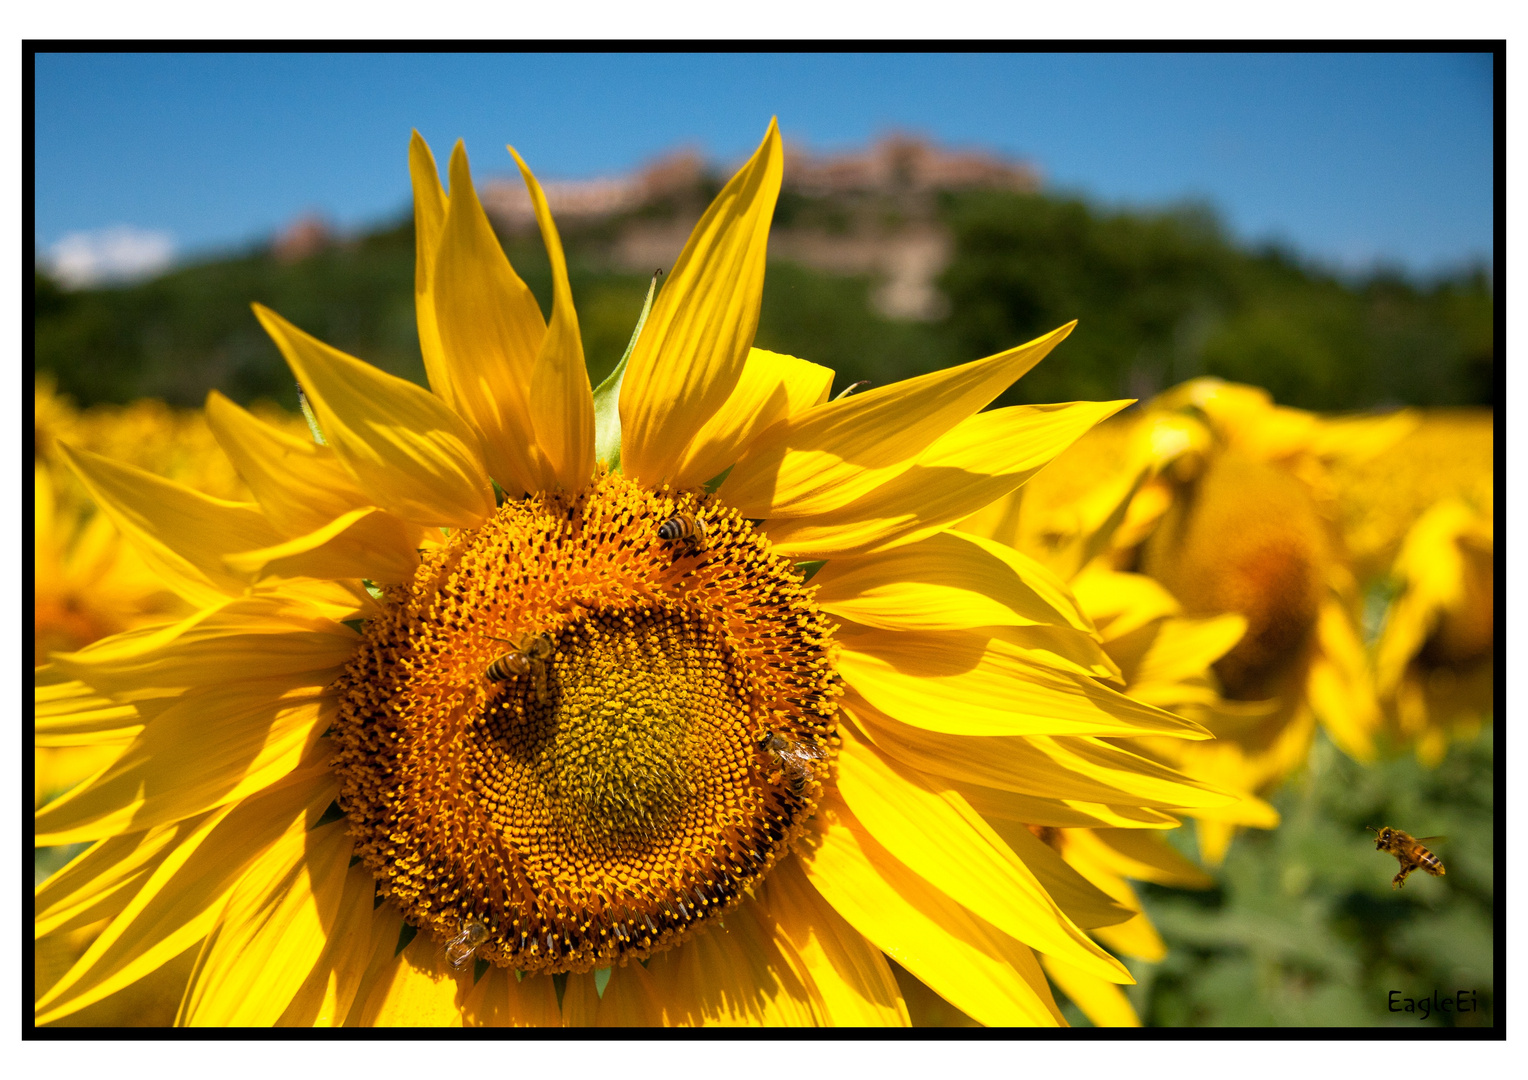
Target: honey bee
686 527
1410 852
526 656
794 759
460 948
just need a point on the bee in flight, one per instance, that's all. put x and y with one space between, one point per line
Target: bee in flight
685 527
1409 850
527 655
460 948
793 759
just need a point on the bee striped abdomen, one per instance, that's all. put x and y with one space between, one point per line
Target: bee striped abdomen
508 666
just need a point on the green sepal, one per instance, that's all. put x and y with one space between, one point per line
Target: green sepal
479 969
718 480
809 568
307 412
607 396
406 934
332 813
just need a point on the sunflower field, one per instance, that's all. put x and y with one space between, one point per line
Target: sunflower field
479 633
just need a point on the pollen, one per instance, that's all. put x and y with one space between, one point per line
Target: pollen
557 729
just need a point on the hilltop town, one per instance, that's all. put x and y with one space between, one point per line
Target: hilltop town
868 211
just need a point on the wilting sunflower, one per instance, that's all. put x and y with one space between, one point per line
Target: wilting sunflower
511 703
1228 501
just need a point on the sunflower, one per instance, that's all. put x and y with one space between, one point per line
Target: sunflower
1434 660
1446 454
1229 502
674 701
1419 517
88 584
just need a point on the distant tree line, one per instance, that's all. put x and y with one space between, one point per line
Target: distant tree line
1161 297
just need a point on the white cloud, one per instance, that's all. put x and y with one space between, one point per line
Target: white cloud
115 254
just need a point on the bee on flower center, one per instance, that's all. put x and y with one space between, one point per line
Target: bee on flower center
527 655
460 948
794 760
1409 851
687 528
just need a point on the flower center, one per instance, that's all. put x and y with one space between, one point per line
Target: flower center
1247 537
586 727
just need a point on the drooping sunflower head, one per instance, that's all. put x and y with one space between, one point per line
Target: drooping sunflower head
584 736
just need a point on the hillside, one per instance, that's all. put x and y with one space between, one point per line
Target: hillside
877 280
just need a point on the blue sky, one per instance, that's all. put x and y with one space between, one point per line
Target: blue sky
1350 158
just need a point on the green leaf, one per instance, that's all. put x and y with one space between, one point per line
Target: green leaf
607 396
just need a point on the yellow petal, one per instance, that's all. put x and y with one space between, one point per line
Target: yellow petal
182 898
1088 770
977 462
580 1001
1135 854
949 581
561 402
181 534
1135 938
363 543
935 833
830 456
1085 903
328 992
962 684
773 387
300 485
1340 686
214 746
429 221
1007 806
255 638
500 1000
965 961
490 330
1062 648
630 999
1184 648
100 881
67 712
850 983
417 988
272 931
1120 603
406 449
693 347
1101 1002
729 976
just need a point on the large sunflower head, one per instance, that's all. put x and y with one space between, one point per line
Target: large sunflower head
678 700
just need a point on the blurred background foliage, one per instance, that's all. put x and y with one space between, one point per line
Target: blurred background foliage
1303 927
